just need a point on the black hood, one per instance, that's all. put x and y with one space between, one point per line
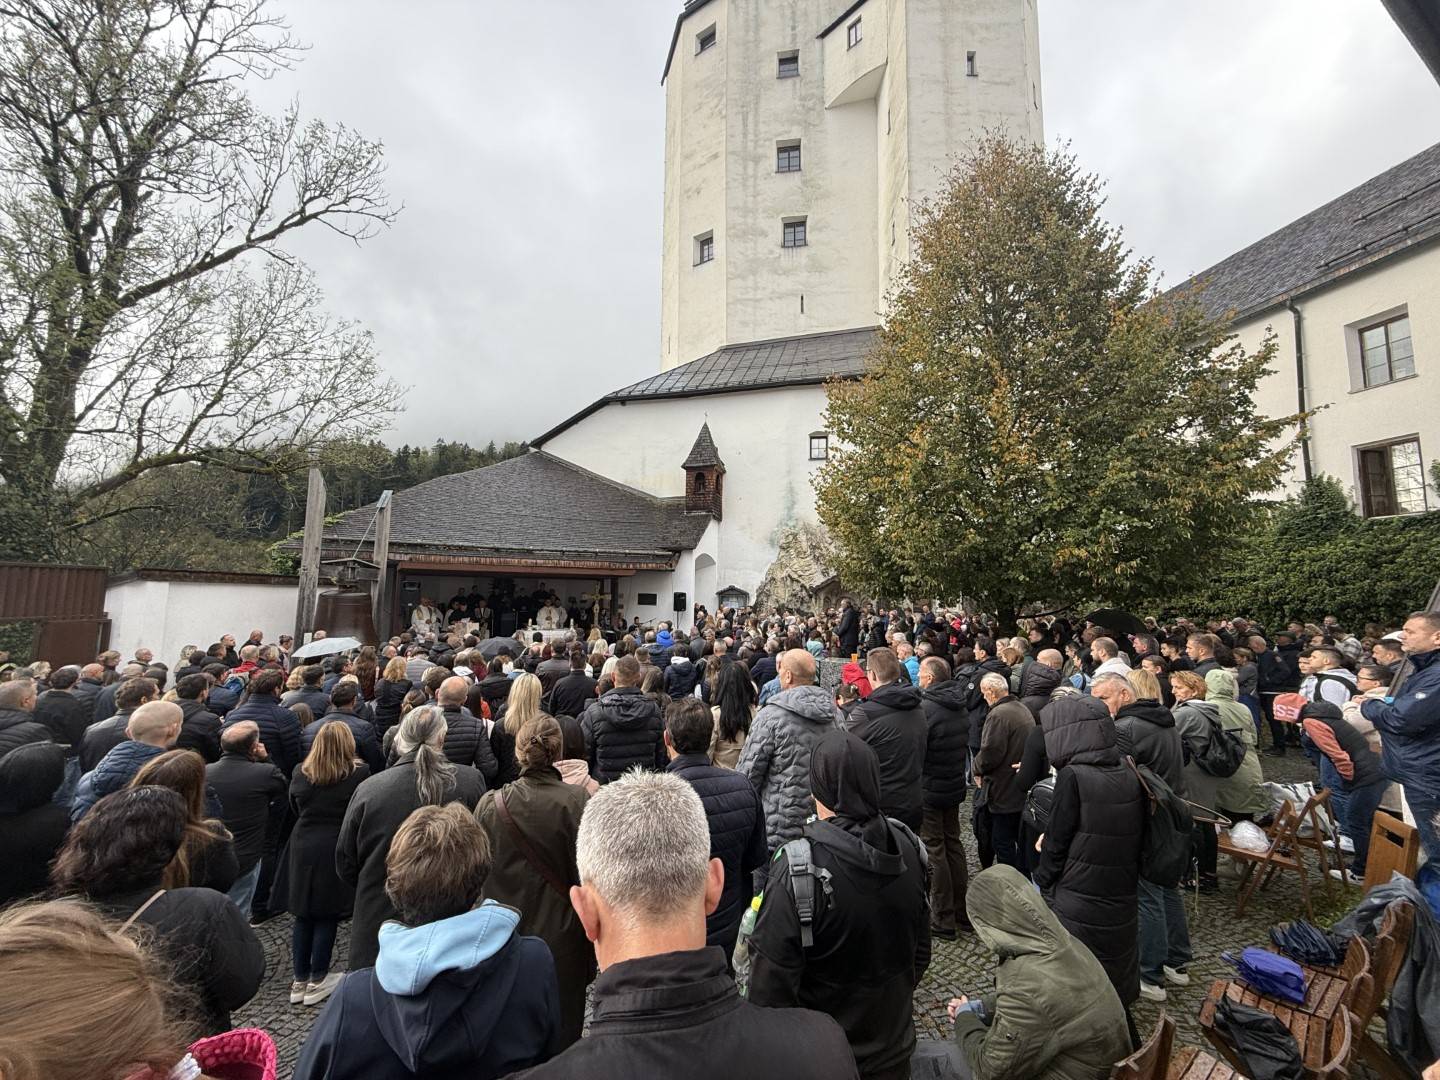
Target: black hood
948 694
30 775
1038 680
11 717
627 706
1151 712
1079 731
897 695
859 858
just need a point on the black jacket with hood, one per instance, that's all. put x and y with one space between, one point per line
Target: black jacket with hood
892 722
948 729
1037 683
1145 731
623 729
871 922
199 731
65 715
32 827
974 700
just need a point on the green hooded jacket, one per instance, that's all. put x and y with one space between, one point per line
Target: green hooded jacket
1054 1014
1243 793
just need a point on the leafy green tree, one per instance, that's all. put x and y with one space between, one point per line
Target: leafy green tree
1037 422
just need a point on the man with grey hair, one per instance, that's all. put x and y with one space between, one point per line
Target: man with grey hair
663 1001
1000 800
105 706
18 726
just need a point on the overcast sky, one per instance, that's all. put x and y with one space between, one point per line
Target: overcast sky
526 143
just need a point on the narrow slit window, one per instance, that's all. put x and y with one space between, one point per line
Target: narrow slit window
970 68
853 36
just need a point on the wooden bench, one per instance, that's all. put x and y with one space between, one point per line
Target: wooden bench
1192 1063
1325 1044
1283 853
1326 988
1153 1058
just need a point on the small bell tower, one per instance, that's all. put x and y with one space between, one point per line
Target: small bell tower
704 476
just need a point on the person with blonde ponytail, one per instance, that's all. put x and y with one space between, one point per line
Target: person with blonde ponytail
532 824
420 776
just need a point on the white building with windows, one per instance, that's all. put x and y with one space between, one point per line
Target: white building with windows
1352 293
799 134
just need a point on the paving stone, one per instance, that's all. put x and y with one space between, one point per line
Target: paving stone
963 966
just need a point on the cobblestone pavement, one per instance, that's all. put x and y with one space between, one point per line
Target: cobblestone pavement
962 966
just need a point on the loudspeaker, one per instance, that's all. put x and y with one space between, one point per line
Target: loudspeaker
679 602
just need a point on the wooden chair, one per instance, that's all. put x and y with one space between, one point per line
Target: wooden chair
1325 1043
1281 854
1152 1060
1327 989
1192 1063
1393 846
1392 944
1321 827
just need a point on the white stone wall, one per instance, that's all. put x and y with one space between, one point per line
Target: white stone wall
1350 416
763 437
165 616
878 126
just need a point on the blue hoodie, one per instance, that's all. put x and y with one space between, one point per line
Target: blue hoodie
461 997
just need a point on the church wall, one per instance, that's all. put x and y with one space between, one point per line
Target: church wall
763 437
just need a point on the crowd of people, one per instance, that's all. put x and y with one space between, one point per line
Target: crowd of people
608 830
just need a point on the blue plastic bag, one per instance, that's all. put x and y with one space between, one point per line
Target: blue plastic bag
1270 973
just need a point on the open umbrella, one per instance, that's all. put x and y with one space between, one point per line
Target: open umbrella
492 647
326 647
1122 622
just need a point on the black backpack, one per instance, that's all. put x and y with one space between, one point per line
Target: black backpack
1169 825
1223 752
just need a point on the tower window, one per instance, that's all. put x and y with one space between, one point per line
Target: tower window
704 40
787 156
704 248
789 66
819 446
852 35
793 235
970 65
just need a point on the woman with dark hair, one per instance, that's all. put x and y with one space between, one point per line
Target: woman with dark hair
116 858
652 685
495 686
320 793
390 691
367 667
206 860
32 825
574 766
420 776
734 708
537 817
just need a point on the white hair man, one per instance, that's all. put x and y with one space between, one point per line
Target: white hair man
662 1000
999 801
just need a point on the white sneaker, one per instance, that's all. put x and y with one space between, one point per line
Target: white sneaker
1176 976
297 992
315 993
1152 993
1346 876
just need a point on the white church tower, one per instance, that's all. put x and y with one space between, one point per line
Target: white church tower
798 134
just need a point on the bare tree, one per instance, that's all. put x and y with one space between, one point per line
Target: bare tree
150 314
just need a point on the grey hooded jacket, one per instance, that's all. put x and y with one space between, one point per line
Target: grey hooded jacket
776 757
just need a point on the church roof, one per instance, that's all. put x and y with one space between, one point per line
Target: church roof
703 455
535 504
755 365
1387 214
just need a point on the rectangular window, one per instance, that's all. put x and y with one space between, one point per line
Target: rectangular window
819 446
704 248
852 34
794 234
970 65
787 156
789 66
1386 353
704 40
1392 479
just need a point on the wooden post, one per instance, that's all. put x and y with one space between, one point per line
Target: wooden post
382 560
310 556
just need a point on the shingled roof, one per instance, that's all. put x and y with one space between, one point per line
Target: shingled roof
703 455
535 504
1390 213
755 365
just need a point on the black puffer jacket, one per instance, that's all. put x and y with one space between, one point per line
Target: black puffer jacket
17 728
737 838
1145 730
1089 866
199 731
681 678
623 729
65 715
974 700
467 744
279 729
893 723
948 724
1036 685
389 696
